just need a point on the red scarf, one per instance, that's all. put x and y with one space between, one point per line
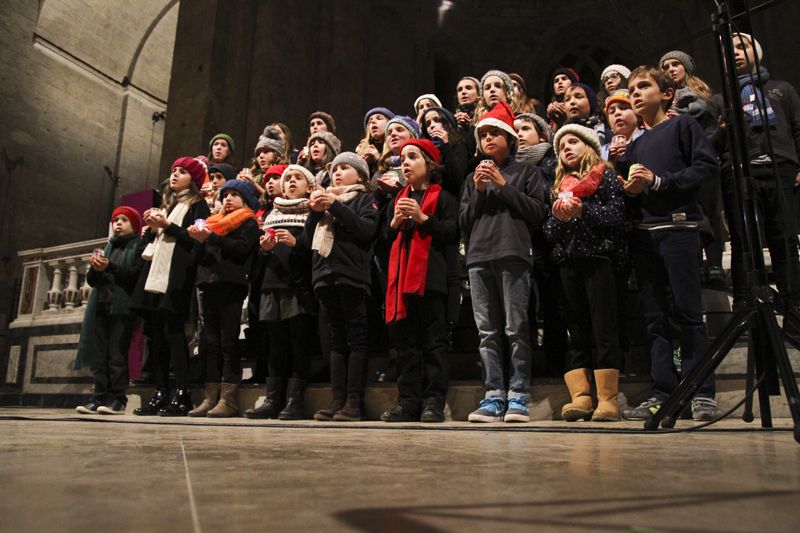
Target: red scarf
586 186
408 265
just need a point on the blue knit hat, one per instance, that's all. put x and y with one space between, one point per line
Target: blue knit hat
407 122
245 190
378 110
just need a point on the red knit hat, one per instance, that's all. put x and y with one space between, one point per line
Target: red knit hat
500 116
426 146
194 167
275 170
131 214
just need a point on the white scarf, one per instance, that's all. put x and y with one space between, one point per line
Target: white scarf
325 232
159 252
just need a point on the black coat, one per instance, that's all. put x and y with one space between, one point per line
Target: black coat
288 268
356 225
228 259
182 272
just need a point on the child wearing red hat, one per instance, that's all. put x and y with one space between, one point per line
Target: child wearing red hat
503 200
423 226
166 284
108 322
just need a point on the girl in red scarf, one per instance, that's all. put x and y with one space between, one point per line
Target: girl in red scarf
424 224
227 242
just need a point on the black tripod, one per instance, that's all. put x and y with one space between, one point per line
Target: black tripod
756 313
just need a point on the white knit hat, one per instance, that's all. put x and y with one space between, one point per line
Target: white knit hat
429 97
587 135
756 45
302 170
621 69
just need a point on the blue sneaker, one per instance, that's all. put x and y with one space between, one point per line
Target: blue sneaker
518 409
490 410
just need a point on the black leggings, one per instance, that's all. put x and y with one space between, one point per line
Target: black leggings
169 345
221 310
291 343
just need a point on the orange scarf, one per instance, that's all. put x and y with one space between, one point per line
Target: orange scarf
222 224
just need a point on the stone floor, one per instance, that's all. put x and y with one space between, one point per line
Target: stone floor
64 472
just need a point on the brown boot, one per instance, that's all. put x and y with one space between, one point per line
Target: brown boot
353 410
607 382
579 387
228 405
209 402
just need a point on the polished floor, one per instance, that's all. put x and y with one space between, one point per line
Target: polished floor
63 472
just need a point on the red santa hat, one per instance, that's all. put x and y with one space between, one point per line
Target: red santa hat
500 116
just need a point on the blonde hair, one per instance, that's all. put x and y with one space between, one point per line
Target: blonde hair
170 198
481 108
586 162
698 86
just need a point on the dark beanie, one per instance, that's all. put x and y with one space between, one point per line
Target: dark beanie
225 169
590 94
326 118
568 72
245 190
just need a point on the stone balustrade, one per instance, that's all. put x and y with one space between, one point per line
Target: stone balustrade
54 288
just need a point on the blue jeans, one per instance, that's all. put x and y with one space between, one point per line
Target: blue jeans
500 294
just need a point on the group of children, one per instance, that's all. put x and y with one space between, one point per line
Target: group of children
575 199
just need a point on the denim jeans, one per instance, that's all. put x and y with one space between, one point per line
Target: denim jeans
500 295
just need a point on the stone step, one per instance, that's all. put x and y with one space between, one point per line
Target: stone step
548 396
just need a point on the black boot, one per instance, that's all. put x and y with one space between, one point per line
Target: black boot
158 401
338 384
295 393
180 405
353 409
273 403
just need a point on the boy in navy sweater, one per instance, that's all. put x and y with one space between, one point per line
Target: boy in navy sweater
669 163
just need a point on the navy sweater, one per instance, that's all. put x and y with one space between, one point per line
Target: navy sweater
680 155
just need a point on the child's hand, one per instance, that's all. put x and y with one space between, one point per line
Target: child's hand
200 234
493 173
302 156
632 187
438 131
556 109
410 209
266 242
245 175
397 217
388 182
481 179
284 236
642 173
98 263
462 119
320 202
368 153
157 220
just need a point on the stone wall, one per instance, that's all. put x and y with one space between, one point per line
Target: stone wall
80 82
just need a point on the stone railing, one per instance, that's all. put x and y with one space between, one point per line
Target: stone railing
54 288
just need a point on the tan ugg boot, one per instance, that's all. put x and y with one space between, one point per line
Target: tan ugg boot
209 402
580 387
607 382
228 405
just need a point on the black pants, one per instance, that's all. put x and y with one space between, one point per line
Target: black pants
110 370
221 312
709 197
590 299
551 309
291 343
169 345
667 262
420 340
777 224
346 309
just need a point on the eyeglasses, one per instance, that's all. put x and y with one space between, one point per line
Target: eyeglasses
612 76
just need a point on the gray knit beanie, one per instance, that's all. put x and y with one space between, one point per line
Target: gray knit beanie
355 161
331 141
684 58
503 76
587 135
270 140
542 123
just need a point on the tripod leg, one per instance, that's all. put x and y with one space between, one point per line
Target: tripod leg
784 368
747 416
761 353
738 324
